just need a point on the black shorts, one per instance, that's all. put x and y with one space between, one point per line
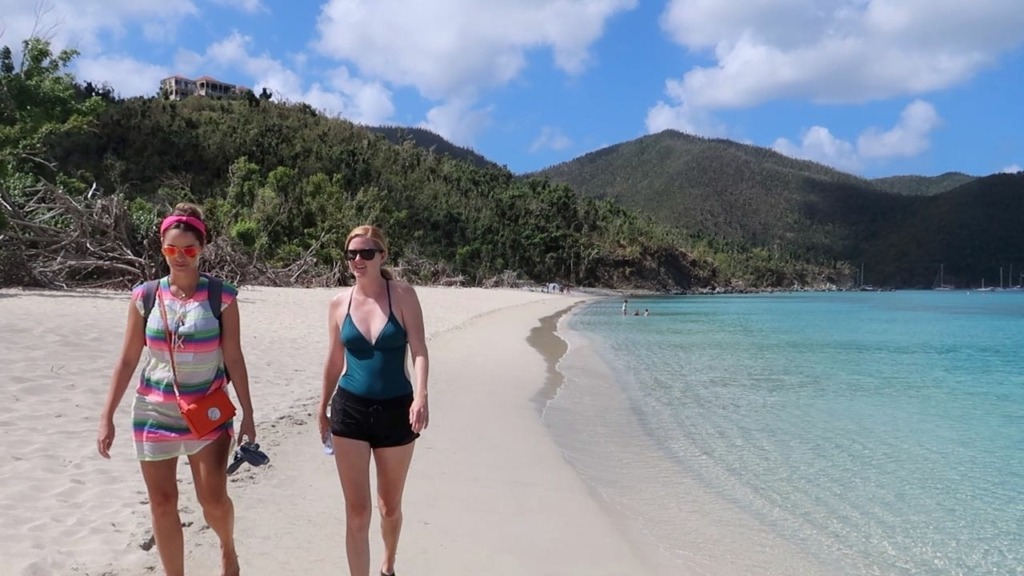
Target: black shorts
381 423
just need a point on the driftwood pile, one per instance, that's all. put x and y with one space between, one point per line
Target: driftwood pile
422 271
54 240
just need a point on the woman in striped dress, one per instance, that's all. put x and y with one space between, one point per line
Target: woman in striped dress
203 348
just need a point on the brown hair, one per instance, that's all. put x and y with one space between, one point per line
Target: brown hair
189 209
376 235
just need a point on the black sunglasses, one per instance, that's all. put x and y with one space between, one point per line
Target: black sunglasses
365 253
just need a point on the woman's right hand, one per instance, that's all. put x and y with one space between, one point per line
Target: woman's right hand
105 438
324 424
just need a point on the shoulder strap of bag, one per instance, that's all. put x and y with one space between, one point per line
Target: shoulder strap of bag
170 347
215 289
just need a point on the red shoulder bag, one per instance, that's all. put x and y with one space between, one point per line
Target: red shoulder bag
204 415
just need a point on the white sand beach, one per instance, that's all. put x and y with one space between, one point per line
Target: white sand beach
488 492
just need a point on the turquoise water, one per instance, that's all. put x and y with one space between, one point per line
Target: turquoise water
838 433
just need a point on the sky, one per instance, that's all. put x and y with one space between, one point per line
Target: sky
871 87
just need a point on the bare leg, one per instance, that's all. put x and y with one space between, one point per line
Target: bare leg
209 470
161 479
353 460
392 470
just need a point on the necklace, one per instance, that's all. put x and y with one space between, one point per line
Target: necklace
181 294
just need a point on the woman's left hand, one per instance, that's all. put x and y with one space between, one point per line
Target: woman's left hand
419 415
247 429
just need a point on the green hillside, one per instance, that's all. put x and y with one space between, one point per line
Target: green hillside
84 176
277 178
922 185
434 143
733 193
971 231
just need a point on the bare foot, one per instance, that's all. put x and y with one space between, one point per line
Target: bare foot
229 560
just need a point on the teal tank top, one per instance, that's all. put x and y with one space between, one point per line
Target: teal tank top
375 369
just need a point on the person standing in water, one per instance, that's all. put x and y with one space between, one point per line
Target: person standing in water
369 405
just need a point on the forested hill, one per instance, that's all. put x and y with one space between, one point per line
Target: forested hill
84 176
278 178
922 185
434 143
902 228
734 192
971 232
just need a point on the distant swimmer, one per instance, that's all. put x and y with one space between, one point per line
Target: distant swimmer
647 312
625 304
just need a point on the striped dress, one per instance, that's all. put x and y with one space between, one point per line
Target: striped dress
159 428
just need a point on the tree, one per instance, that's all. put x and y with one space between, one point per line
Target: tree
39 100
56 236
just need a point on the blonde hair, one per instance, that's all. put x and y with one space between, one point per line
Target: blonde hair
376 235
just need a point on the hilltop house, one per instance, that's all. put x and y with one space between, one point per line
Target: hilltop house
178 87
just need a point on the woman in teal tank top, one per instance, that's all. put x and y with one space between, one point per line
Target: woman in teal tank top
375 369
370 406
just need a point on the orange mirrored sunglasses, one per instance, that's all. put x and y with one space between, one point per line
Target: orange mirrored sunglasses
188 251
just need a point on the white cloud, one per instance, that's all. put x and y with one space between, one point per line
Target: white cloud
550 138
371 99
128 76
685 118
94 28
188 63
84 25
1011 169
248 6
830 51
341 94
452 51
457 121
909 137
818 144
837 50
457 48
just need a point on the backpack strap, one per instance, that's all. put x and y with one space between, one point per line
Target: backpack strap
148 300
214 289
